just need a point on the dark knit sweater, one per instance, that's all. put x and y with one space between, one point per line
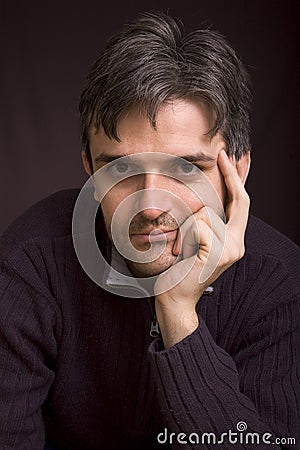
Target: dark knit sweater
77 363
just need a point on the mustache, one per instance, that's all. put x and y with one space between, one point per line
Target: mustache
165 220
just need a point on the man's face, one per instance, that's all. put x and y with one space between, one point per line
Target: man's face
182 127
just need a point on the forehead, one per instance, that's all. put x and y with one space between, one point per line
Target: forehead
179 123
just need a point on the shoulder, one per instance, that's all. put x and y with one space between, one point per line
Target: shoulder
265 282
263 241
49 218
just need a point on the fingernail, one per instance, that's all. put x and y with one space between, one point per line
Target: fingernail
177 245
232 159
224 153
175 250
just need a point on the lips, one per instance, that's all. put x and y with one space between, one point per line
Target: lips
154 235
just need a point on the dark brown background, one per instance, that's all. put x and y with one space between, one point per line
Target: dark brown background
47 49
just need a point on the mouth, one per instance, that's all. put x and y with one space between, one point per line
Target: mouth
154 235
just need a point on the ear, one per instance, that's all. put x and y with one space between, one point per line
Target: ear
243 166
87 168
85 163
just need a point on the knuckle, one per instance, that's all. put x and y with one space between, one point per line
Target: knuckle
243 196
240 251
236 253
226 259
240 254
233 252
247 198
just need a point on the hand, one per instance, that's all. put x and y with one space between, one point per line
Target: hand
219 247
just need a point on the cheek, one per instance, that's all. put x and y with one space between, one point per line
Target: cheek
192 200
187 195
220 187
210 192
109 204
107 209
216 180
113 199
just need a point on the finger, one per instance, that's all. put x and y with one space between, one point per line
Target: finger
192 270
232 180
207 232
189 227
177 243
187 269
193 233
238 205
216 224
198 235
212 243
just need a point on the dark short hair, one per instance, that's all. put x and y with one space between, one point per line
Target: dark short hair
152 61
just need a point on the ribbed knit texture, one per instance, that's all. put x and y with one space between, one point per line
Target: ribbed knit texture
78 364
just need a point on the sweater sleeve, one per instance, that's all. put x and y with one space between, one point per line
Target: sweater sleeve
28 350
215 397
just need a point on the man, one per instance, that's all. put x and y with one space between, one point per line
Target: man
185 337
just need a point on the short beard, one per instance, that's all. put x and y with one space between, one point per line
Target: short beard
151 269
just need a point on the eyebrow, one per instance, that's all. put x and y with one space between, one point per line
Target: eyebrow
107 158
199 157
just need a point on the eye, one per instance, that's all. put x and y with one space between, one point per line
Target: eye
187 168
184 169
120 170
121 167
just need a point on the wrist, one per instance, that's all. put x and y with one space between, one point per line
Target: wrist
176 321
170 305
174 309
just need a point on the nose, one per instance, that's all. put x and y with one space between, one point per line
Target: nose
154 200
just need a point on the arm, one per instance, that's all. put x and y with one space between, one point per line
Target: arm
27 351
190 365
219 247
251 376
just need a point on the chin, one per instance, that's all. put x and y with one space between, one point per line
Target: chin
144 270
